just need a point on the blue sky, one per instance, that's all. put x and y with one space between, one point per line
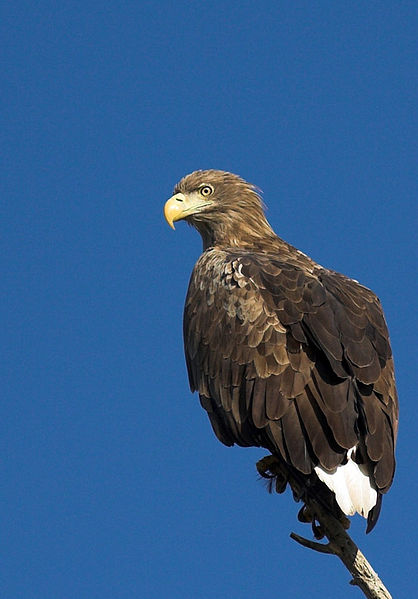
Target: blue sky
113 485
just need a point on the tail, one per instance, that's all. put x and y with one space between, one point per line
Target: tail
340 491
354 488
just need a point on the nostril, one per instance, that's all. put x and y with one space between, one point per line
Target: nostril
179 199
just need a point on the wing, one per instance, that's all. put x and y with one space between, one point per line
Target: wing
293 359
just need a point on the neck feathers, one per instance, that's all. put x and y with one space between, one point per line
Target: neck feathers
230 230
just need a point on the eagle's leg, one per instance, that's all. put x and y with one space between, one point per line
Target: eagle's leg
279 474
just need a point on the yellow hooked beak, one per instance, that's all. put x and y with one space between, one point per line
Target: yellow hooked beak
180 206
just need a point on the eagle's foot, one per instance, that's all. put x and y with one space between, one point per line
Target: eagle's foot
318 531
307 516
269 469
278 476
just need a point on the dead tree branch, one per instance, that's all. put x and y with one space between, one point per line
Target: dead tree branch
325 524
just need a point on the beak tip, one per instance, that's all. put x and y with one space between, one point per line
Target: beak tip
173 209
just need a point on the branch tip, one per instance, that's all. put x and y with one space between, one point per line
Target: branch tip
320 547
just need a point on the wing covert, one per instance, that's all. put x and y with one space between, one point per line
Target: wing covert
294 360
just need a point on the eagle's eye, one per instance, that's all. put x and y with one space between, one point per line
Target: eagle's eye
206 191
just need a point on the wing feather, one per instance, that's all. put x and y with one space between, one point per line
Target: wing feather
295 359
295 440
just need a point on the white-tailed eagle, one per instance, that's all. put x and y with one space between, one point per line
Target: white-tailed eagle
286 354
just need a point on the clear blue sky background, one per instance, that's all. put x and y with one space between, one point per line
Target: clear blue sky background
113 485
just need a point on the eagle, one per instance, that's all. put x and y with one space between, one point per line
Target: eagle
284 353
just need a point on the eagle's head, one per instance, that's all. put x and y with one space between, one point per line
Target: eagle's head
226 210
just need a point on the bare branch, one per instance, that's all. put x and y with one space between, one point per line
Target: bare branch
320 547
341 545
325 524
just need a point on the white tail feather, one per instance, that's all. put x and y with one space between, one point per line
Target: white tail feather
354 491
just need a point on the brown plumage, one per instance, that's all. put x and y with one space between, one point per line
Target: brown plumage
284 353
